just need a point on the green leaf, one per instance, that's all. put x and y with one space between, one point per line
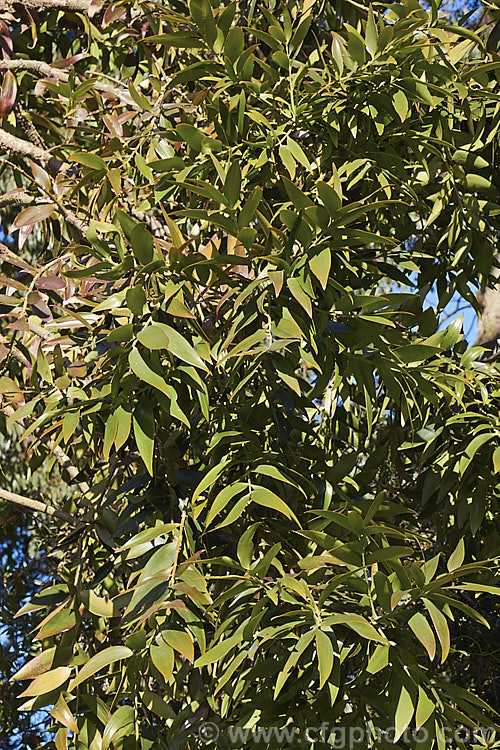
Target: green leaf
400 103
234 44
263 496
467 33
223 499
119 726
457 556
325 654
136 299
61 713
36 666
388 553
292 660
357 623
379 659
154 336
93 161
47 681
210 478
297 197
148 534
441 626
162 336
191 135
232 186
470 160
235 512
145 373
416 353
245 547
404 713
181 641
422 630
184 40
126 222
155 703
109 434
217 652
320 265
329 197
476 183
425 708
355 45
480 587
123 424
371 35
247 213
59 622
98 605
288 160
142 243
144 432
138 98
99 662
472 448
268 470
298 154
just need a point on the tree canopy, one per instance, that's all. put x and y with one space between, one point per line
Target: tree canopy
279 470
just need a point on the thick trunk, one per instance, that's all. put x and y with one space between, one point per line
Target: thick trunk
488 329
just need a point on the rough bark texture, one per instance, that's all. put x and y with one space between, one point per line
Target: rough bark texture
488 330
11 143
69 5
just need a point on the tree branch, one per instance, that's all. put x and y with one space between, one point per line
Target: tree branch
20 197
65 463
37 66
13 144
37 506
17 353
66 5
48 71
62 459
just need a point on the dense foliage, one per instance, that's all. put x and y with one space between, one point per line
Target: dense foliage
281 474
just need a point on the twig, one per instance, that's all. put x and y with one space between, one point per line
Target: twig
65 463
62 459
20 197
27 127
17 353
37 506
178 547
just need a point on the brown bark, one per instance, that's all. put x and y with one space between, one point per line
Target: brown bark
81 6
13 144
488 330
17 198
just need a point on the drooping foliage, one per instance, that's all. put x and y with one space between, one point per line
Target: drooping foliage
281 473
